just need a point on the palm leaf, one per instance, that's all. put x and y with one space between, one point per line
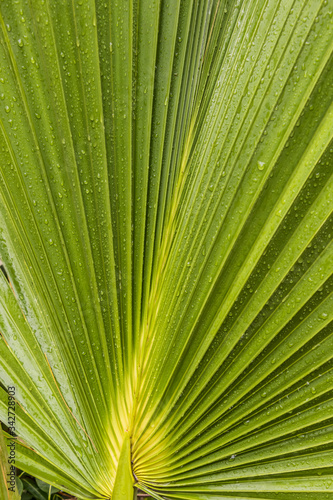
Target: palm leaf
166 231
8 490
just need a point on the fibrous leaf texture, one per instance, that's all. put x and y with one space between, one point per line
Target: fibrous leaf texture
166 196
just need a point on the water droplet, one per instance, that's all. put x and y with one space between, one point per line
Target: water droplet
20 42
261 165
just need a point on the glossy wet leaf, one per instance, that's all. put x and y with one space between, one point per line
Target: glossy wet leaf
166 197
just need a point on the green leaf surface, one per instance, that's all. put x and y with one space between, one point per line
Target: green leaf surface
46 487
166 221
26 496
20 486
7 490
31 487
